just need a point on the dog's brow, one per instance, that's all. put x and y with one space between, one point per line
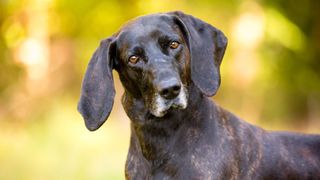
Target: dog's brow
155 33
138 50
170 37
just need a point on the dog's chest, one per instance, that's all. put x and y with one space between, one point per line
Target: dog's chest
192 167
186 163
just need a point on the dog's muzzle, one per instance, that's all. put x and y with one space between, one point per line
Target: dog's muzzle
173 96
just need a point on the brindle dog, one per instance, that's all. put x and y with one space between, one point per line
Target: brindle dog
169 65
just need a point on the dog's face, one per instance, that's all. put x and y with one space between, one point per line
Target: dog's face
152 63
157 57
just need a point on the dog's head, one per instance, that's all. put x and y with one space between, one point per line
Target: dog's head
157 57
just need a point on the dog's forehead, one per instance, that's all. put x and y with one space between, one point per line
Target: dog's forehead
146 28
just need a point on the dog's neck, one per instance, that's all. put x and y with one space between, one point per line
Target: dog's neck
157 135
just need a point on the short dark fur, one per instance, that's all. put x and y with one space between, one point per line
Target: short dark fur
201 141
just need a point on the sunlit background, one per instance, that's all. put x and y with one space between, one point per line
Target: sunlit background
270 77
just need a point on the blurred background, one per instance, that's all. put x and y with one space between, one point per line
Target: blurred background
270 77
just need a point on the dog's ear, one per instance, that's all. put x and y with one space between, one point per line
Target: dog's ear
207 45
97 93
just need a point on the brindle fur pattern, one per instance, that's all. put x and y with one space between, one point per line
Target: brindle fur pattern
201 141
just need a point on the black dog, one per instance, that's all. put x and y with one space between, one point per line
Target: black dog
169 64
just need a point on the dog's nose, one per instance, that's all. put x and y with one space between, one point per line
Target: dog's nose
170 90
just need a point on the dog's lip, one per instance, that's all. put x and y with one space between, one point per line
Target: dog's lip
177 106
166 112
172 104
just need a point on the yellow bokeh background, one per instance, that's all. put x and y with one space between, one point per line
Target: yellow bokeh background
270 77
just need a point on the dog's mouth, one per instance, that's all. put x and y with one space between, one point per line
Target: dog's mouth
160 106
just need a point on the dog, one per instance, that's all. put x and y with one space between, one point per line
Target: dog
169 66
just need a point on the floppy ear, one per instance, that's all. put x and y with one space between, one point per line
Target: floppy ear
207 45
97 93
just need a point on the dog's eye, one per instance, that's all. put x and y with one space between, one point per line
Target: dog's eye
133 59
174 44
